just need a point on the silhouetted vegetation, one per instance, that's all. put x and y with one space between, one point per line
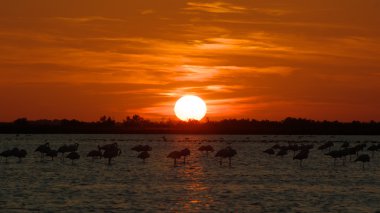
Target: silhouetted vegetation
137 124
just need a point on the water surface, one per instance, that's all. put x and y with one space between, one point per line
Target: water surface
255 182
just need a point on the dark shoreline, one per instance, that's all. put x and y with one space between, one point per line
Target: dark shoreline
138 125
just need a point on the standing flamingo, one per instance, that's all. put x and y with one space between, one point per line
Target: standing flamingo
304 154
269 151
363 158
63 149
52 153
227 152
73 156
185 152
111 152
282 152
175 155
373 149
143 155
207 149
326 145
6 154
43 149
19 153
95 153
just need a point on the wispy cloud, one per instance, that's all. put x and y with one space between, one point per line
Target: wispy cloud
215 7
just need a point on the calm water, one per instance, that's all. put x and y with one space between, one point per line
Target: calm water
255 183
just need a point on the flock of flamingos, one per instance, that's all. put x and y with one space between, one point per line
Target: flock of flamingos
109 152
112 150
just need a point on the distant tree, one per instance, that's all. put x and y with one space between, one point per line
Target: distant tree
107 121
21 122
134 121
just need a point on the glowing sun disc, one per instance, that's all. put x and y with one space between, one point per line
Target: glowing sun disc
190 107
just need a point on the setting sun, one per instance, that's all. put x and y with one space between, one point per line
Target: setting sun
190 107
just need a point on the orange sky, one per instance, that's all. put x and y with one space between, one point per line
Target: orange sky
261 59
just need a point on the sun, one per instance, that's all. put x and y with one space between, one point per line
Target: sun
190 107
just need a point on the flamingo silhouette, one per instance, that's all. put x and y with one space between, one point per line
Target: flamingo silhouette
109 146
373 149
175 155
63 149
141 148
73 156
185 152
282 152
19 153
363 158
143 155
6 154
269 151
95 153
111 152
206 149
326 145
43 149
345 145
335 154
52 153
304 154
227 152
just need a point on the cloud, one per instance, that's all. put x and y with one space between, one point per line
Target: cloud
215 7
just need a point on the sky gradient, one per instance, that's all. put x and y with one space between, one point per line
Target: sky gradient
261 59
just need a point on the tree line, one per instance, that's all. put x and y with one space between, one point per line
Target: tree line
136 124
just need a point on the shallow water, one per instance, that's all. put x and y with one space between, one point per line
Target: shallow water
255 182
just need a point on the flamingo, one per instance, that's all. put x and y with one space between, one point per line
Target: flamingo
175 155
335 154
143 155
6 154
269 151
43 149
63 149
359 148
111 153
363 158
373 148
326 145
52 153
19 153
138 148
304 154
207 149
345 145
73 156
147 148
141 148
95 153
227 152
282 152
185 152
109 146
